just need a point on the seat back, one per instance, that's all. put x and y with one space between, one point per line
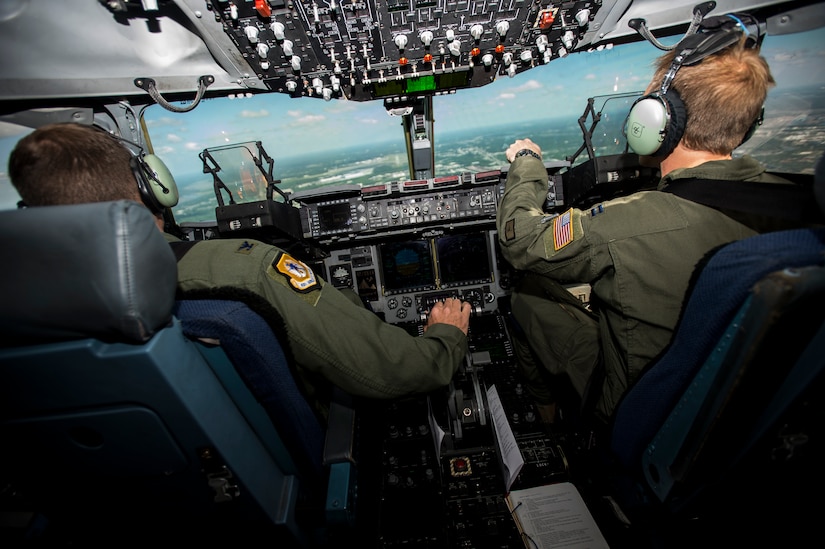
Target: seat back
236 340
115 425
747 350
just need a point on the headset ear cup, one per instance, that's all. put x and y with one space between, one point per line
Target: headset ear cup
754 127
645 125
676 125
157 187
655 124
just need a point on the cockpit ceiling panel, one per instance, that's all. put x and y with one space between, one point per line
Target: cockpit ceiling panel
331 49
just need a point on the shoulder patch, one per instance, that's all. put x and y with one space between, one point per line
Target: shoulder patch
297 273
563 229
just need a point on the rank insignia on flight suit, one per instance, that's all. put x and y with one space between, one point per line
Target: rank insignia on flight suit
297 273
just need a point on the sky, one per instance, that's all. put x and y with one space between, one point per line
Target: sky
560 88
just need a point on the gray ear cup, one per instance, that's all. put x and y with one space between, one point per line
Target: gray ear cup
157 187
655 124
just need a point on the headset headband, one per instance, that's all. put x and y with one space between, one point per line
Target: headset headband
714 35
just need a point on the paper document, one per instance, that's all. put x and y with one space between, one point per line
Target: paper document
554 516
511 457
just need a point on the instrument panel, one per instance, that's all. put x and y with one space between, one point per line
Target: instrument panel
402 246
402 278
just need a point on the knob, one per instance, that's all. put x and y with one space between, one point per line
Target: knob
476 31
251 34
541 43
326 93
507 58
291 85
487 59
401 41
296 63
278 30
262 50
426 37
450 35
502 27
287 46
583 17
567 39
526 56
455 47
318 84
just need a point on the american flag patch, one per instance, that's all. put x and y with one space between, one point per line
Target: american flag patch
563 230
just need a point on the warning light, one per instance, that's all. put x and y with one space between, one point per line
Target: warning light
403 61
500 48
546 19
428 58
475 52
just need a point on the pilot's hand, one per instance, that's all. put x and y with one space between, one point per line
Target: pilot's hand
451 311
518 145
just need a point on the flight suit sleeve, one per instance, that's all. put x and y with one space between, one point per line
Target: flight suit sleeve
551 244
329 335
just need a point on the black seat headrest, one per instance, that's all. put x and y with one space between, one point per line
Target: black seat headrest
100 270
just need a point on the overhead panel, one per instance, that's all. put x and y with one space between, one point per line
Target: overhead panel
365 50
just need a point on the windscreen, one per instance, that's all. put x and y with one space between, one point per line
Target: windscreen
319 144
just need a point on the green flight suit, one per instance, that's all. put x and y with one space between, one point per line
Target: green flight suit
637 252
332 339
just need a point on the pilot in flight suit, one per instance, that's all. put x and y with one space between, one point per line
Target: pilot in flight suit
331 339
637 252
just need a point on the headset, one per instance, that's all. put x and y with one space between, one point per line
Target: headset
156 185
656 122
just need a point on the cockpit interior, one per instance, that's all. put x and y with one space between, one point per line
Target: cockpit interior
367 139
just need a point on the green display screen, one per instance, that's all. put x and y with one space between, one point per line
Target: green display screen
421 84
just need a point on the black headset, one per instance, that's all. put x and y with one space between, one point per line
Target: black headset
656 122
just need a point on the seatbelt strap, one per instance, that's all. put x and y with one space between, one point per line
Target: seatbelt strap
785 201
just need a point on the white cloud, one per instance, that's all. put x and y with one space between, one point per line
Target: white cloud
528 86
311 119
263 113
506 95
173 138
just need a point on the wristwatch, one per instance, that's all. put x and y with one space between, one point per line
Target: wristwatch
525 152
